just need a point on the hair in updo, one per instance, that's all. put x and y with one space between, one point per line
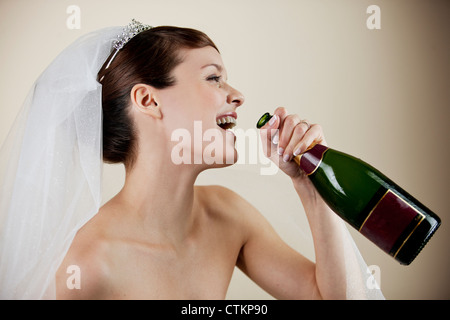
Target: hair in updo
148 58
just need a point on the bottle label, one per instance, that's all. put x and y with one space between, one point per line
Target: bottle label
388 221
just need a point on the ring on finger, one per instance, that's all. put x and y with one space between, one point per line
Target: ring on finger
305 122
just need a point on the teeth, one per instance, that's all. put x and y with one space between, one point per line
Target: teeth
226 119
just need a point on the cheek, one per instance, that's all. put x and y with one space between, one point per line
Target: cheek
216 98
203 104
195 99
174 98
183 106
210 96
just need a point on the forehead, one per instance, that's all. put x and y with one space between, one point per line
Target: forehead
199 58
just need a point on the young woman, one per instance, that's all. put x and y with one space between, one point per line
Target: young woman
162 237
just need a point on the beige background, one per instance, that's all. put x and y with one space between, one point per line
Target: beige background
382 95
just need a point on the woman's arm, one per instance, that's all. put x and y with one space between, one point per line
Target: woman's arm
265 257
328 236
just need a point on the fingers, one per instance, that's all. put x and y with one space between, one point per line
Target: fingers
281 112
311 137
269 135
293 137
270 132
291 131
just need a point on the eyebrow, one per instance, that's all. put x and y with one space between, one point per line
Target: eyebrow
218 66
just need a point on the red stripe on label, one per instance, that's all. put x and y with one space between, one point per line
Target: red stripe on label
388 220
312 158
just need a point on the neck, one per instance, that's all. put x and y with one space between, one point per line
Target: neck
161 196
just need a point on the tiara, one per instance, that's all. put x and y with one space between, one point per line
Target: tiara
130 31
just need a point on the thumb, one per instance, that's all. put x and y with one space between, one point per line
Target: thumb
269 136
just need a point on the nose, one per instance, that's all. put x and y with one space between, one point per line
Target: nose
235 97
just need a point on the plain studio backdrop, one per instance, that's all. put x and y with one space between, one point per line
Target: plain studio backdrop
378 82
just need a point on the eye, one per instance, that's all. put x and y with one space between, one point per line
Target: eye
214 78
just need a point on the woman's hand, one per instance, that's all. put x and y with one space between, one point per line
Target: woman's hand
287 135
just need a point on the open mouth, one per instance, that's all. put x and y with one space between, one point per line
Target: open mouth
226 122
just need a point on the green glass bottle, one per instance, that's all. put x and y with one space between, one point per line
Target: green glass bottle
368 200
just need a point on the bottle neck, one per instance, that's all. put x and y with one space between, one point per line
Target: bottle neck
311 159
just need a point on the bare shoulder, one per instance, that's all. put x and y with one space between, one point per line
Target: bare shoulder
222 197
216 192
228 204
84 270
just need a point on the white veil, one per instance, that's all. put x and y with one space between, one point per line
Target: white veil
51 165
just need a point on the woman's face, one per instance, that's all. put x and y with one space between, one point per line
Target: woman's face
196 104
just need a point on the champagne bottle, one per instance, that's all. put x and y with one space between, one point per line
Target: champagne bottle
368 200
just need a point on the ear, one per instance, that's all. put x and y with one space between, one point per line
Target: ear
144 98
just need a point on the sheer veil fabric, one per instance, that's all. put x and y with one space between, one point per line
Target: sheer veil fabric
51 168
51 165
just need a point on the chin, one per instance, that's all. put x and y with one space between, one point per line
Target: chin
219 149
230 159
223 160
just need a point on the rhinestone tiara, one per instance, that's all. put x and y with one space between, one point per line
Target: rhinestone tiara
129 31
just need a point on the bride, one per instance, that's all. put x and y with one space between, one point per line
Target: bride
161 236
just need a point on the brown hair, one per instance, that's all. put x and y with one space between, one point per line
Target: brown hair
148 58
